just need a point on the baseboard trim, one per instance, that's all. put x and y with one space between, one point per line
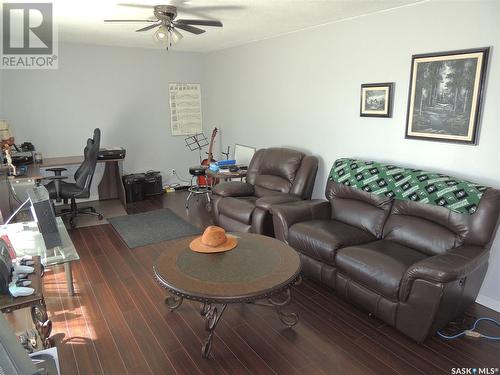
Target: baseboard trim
488 302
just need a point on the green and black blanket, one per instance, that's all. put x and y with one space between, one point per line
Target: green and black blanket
410 184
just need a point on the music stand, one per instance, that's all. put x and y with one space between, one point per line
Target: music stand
226 153
196 142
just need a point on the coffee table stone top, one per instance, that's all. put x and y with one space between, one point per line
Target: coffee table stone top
256 268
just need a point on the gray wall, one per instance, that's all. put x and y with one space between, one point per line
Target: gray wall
302 90
123 91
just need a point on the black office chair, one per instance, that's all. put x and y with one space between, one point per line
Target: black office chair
64 191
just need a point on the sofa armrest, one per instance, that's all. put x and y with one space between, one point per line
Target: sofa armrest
287 214
453 265
233 189
270 200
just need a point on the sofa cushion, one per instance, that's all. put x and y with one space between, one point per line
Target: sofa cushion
367 211
320 239
379 266
421 234
268 185
239 209
281 162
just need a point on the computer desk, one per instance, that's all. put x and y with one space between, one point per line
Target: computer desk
110 187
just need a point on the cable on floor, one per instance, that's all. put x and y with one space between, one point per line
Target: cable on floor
472 331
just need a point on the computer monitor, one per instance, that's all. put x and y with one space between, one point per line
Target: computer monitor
43 213
243 154
13 358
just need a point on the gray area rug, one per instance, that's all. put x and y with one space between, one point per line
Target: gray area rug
151 227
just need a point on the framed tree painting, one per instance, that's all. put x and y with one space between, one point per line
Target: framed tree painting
376 100
446 90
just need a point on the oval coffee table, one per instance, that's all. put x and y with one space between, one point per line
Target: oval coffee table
259 268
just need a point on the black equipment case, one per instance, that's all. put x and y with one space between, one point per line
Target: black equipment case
140 185
152 183
133 187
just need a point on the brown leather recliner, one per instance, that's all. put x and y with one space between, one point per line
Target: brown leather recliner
275 175
414 265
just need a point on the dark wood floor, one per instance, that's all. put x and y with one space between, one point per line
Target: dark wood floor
117 323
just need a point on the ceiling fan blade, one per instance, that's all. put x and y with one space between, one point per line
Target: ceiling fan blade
135 5
130 20
188 8
190 29
200 22
205 11
149 27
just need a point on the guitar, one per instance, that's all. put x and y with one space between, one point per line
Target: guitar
203 180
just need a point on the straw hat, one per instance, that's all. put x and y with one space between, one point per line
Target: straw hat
213 240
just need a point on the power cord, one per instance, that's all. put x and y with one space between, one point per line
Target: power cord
180 177
472 331
171 186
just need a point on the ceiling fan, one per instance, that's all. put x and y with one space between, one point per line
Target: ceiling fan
167 25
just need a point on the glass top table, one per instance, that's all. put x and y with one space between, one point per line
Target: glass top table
26 239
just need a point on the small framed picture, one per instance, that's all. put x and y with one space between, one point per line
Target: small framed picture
376 99
446 91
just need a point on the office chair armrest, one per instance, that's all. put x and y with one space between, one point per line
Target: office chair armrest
57 170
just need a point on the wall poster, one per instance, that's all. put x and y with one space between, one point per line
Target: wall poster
185 108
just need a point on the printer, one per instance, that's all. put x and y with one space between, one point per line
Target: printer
111 153
22 158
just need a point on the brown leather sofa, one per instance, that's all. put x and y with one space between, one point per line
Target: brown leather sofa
275 175
414 265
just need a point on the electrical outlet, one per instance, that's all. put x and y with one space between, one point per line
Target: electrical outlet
172 172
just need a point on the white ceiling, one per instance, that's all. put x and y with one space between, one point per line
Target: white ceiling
81 21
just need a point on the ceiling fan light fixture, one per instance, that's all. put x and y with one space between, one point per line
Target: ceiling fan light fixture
161 35
175 36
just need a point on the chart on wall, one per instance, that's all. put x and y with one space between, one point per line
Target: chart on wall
185 108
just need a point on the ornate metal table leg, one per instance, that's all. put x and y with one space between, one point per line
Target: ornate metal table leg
204 309
287 318
42 323
212 317
173 302
298 281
